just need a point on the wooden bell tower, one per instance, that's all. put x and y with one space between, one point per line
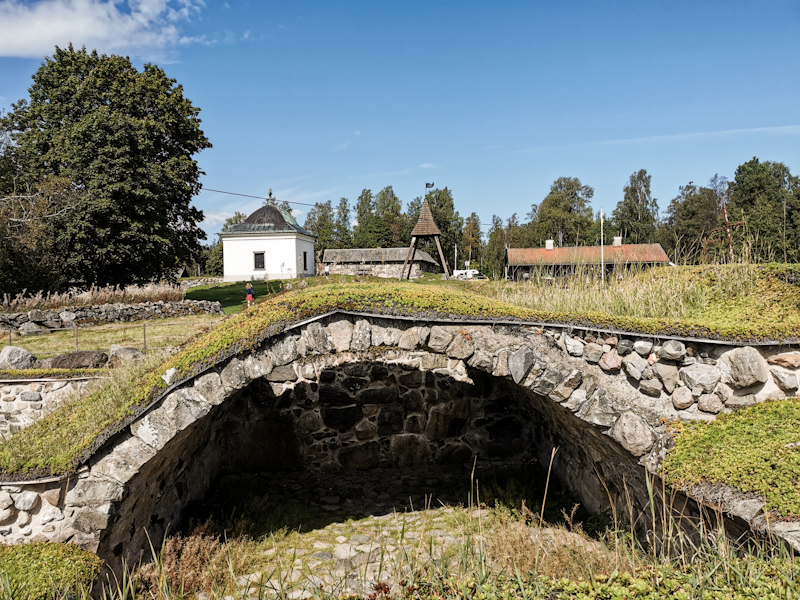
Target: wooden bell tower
425 228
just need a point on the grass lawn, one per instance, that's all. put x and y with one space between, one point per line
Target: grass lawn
160 333
231 295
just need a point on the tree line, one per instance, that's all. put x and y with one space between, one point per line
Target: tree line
762 204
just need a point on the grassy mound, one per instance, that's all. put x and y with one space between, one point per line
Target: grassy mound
64 440
750 450
44 569
51 373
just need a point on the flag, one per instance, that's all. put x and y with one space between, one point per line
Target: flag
428 185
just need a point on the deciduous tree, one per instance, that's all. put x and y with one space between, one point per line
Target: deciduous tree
125 140
565 214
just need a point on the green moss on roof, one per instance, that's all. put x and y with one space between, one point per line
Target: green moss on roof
30 454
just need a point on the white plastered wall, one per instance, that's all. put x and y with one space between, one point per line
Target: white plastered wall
283 256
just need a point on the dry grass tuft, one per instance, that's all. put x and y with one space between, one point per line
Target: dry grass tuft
516 546
131 294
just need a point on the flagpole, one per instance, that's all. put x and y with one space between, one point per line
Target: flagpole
602 255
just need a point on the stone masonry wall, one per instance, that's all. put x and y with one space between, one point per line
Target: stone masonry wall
36 321
385 270
24 403
349 392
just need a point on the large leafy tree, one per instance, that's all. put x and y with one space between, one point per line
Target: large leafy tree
766 196
125 141
636 215
495 252
692 219
565 214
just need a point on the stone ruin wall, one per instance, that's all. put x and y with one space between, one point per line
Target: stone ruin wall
23 403
35 322
348 392
384 270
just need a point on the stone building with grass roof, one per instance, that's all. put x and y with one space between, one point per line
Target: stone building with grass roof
268 244
376 262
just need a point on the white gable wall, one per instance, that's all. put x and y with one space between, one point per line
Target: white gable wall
281 252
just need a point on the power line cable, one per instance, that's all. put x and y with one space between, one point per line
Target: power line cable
258 197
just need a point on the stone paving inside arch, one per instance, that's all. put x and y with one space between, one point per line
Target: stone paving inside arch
370 526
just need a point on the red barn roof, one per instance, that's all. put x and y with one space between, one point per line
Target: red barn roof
574 255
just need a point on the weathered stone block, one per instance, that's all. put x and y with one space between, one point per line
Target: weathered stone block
94 492
233 376
565 388
682 398
14 357
331 394
285 351
667 374
362 457
316 339
592 353
378 395
27 501
85 359
634 365
786 380
257 366
210 387
610 361
409 339
700 377
124 460
365 430
787 360
651 387
633 433
362 336
672 350
643 347
574 346
481 360
520 362
284 373
439 339
460 348
409 449
341 333
743 367
547 381
710 403
599 410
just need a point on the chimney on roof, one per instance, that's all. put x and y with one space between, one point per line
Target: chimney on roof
617 240
548 244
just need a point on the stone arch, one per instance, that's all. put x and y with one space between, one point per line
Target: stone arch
318 377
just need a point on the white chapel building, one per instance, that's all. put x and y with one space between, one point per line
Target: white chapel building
269 242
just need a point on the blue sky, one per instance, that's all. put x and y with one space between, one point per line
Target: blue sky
320 99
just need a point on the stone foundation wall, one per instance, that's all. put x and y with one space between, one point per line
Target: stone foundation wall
347 392
22 404
37 321
385 270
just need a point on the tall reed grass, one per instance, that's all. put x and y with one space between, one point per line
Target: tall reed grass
151 292
660 292
504 553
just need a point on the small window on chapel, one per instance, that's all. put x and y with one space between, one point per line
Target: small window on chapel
259 260
305 261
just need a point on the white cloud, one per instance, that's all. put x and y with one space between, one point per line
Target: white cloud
33 29
226 5
356 132
215 218
427 166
